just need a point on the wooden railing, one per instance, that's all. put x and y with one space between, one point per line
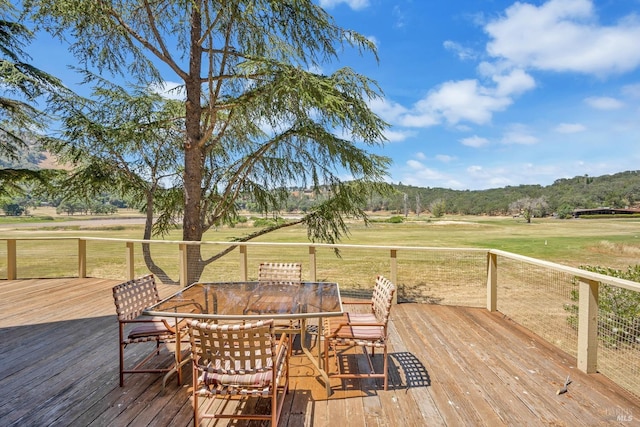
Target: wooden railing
558 302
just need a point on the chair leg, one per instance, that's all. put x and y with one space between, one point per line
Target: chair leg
385 365
195 398
274 406
121 333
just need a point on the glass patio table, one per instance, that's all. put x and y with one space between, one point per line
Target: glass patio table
252 301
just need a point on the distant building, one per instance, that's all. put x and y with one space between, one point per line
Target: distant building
604 211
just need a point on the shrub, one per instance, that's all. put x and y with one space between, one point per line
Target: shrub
396 219
619 309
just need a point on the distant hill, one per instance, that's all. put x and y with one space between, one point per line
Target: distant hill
620 190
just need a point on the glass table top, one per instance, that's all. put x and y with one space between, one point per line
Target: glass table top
252 300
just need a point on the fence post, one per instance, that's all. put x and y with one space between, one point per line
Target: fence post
244 268
394 273
82 258
130 262
588 326
312 263
492 282
12 263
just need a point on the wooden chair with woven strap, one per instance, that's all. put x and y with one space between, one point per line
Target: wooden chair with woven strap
131 298
280 272
367 330
245 360
277 275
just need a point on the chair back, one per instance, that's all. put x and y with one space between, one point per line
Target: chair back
234 349
382 299
280 272
132 297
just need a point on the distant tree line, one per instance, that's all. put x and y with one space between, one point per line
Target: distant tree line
619 190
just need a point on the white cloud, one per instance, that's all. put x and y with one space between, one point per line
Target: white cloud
398 14
604 103
463 53
456 101
353 4
570 128
468 100
398 136
444 158
514 83
421 156
390 111
420 175
518 134
415 165
563 35
474 141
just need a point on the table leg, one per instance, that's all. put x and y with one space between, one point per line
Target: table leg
317 362
178 362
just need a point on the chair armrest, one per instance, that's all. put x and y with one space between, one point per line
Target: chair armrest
282 347
357 303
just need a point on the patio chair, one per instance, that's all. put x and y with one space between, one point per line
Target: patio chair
367 330
131 298
245 360
278 274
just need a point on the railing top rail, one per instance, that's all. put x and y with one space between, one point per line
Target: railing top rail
584 274
207 242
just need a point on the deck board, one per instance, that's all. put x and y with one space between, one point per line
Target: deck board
450 366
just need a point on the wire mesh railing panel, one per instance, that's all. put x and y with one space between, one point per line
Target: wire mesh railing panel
47 259
539 299
163 259
106 259
443 277
619 336
354 269
221 263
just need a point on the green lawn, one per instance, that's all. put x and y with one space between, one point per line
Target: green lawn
611 242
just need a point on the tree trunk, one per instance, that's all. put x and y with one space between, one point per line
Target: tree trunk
193 152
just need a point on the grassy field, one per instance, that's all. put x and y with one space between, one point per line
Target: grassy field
611 242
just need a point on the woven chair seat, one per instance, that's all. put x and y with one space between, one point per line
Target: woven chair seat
150 331
346 331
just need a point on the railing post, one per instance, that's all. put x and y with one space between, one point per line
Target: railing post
394 273
244 262
182 248
130 262
12 263
312 263
492 282
82 258
588 326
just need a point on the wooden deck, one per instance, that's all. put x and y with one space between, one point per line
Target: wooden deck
449 366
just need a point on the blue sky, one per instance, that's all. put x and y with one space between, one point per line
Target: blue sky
488 93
